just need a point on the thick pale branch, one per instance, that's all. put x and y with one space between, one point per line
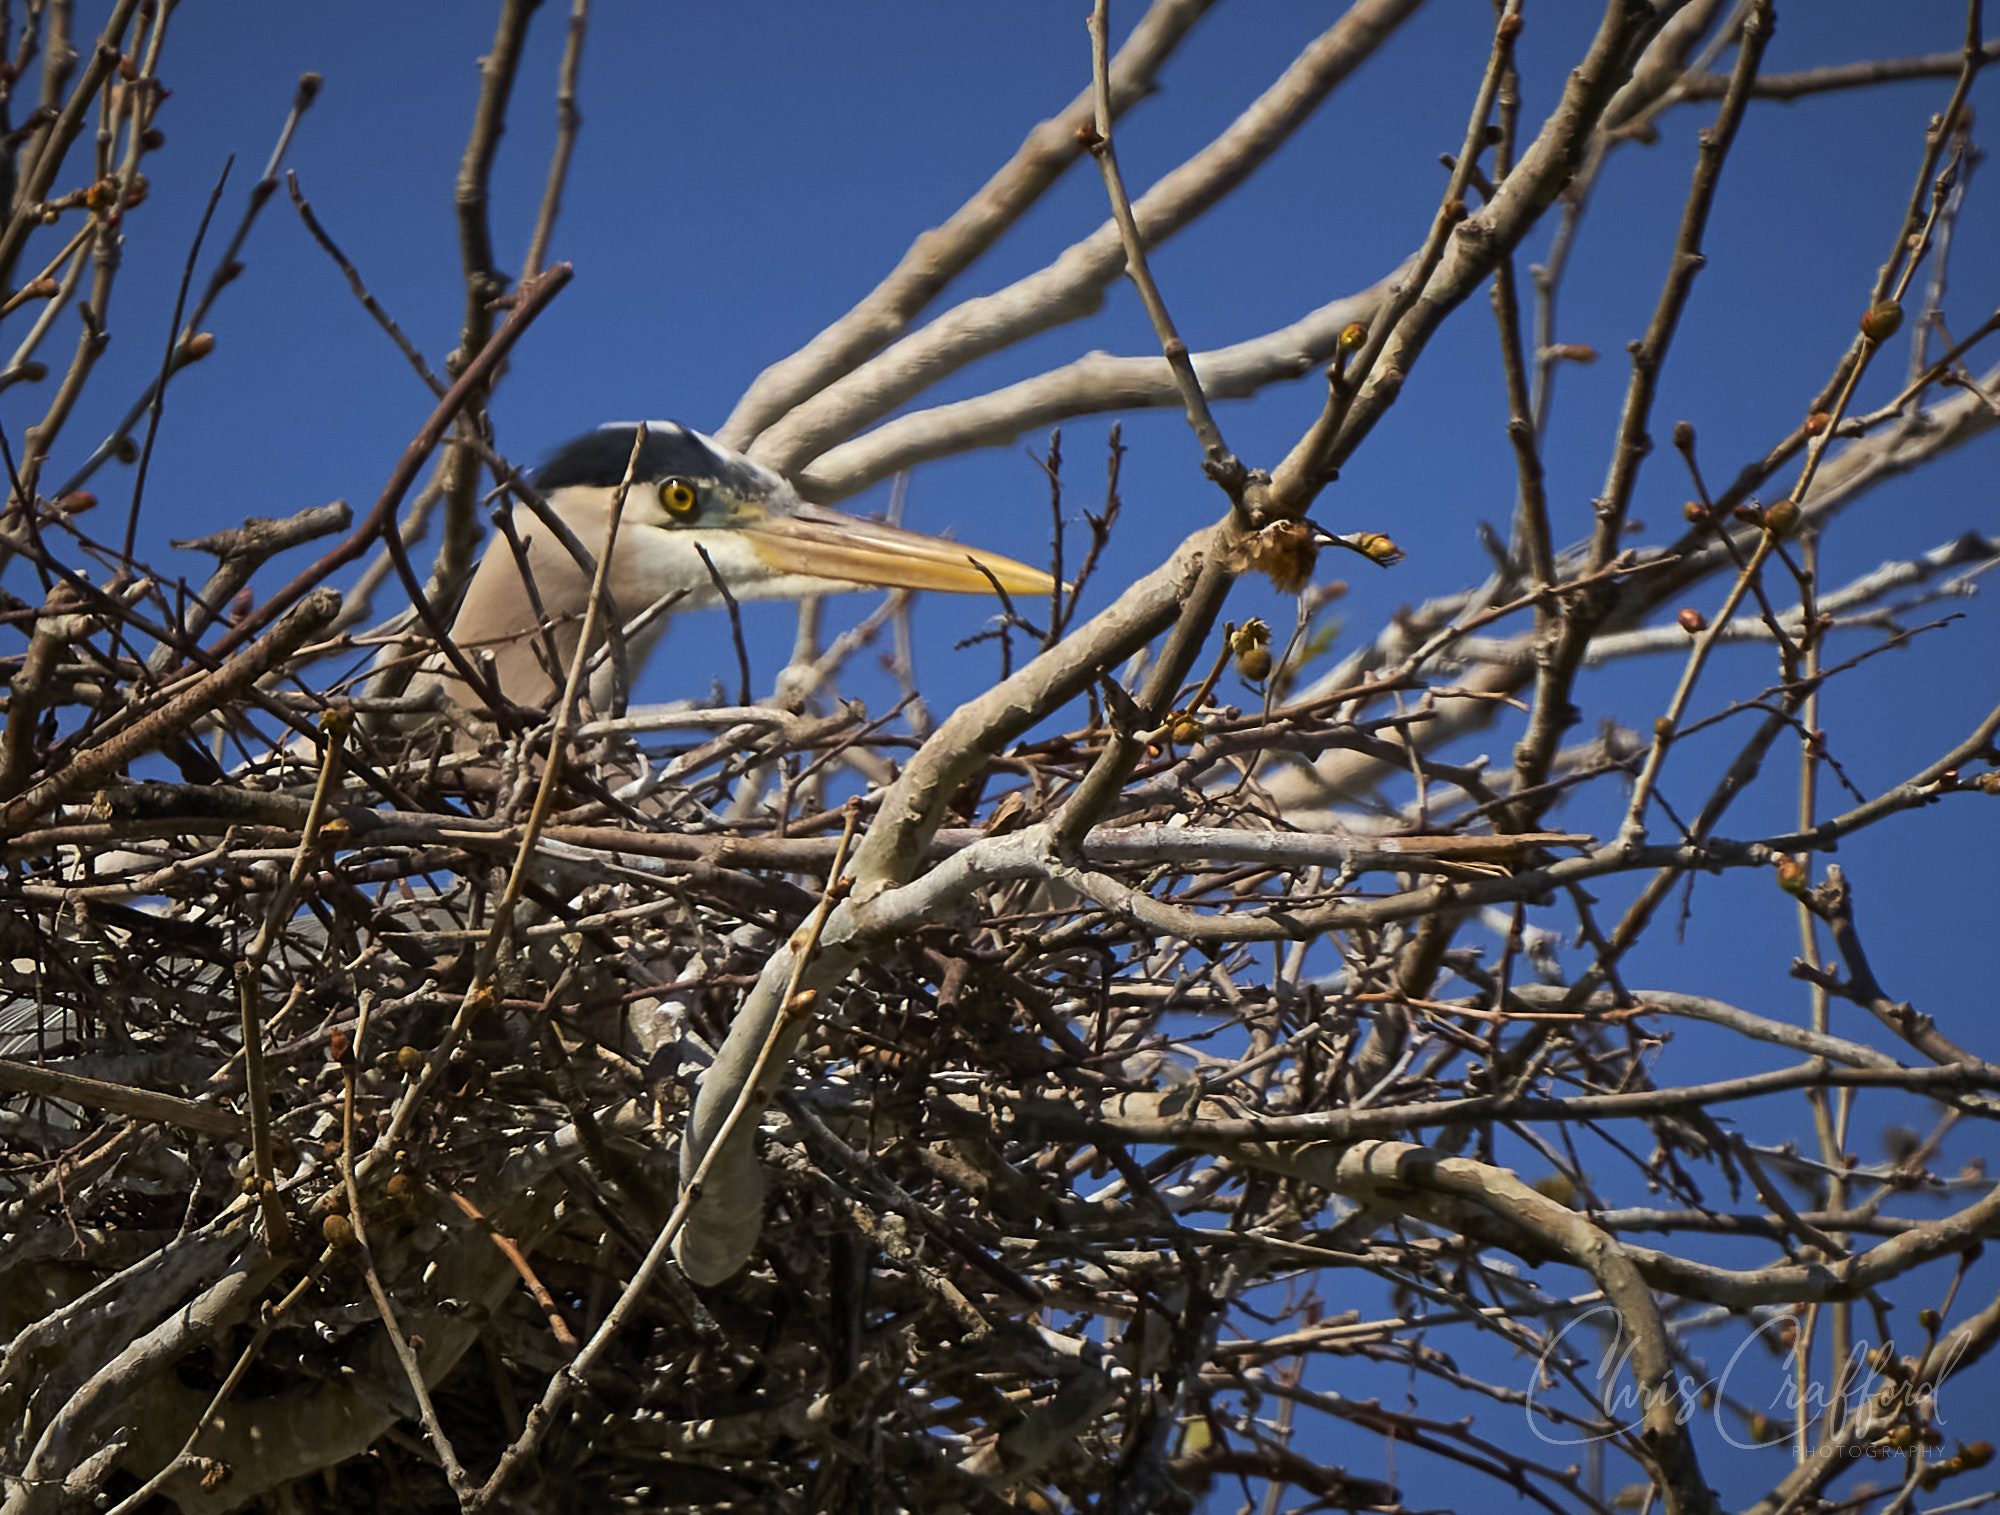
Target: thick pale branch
1074 283
940 255
1091 385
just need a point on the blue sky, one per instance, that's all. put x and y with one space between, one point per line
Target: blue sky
745 171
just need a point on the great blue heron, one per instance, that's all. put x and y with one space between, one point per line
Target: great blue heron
699 518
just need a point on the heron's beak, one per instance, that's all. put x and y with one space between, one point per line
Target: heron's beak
827 544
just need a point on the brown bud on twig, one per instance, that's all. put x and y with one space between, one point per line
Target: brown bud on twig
1782 518
1352 336
1684 435
1817 422
1880 321
1792 876
1570 352
1376 547
195 348
338 1233
1695 512
1692 620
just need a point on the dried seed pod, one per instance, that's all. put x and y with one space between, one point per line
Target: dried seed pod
1286 551
1255 632
338 1233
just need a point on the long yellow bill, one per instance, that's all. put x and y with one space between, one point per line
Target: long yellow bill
828 544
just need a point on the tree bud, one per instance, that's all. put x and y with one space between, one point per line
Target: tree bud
1254 663
1880 321
1377 548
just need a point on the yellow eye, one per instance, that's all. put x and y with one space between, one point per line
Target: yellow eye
678 498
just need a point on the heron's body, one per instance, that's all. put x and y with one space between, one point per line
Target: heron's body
688 497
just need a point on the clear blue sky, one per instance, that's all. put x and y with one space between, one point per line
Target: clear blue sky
746 170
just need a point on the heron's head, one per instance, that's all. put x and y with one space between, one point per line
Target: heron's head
698 518
691 498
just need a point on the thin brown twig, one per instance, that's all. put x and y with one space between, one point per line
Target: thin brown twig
1221 464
